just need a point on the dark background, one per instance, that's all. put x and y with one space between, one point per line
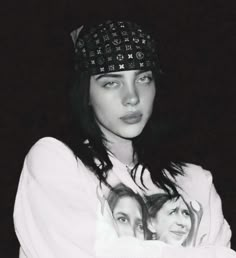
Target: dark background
197 51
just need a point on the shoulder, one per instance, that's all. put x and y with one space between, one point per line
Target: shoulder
48 148
49 154
195 172
196 181
50 145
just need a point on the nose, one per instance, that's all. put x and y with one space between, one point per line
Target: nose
131 95
129 231
181 221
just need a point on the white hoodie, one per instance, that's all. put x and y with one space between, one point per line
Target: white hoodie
59 212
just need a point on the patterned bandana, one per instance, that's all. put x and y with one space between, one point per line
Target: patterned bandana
113 47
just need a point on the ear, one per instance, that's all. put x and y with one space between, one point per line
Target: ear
151 225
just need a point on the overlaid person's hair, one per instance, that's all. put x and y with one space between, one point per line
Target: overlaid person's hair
120 191
88 141
156 201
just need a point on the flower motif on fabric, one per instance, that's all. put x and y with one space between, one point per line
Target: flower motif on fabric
114 34
136 40
131 65
116 41
121 66
111 68
91 53
128 47
100 60
120 57
106 37
108 48
118 48
140 55
99 51
130 56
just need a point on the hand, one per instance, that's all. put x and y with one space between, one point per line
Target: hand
196 212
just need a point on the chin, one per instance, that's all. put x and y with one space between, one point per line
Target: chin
175 242
132 133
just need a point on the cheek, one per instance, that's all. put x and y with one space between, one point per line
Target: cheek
95 100
149 98
162 224
123 229
188 223
166 224
99 104
103 101
140 236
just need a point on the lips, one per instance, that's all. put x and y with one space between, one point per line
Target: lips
132 117
179 233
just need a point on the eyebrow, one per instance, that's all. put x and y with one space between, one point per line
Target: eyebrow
122 213
114 75
108 75
175 209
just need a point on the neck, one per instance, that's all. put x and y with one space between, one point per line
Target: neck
123 151
121 148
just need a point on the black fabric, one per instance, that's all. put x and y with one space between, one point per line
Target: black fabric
115 46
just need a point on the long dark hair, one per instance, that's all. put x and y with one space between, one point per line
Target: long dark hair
88 142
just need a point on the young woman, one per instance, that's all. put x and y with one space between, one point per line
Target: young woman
128 211
61 205
169 218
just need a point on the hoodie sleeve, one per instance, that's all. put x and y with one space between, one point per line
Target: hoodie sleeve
52 214
197 184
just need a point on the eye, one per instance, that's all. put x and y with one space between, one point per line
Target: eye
186 213
110 84
140 227
172 212
145 79
122 219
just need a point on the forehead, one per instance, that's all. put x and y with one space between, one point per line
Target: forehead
175 203
127 203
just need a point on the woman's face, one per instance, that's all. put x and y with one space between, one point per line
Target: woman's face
122 102
172 222
128 216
